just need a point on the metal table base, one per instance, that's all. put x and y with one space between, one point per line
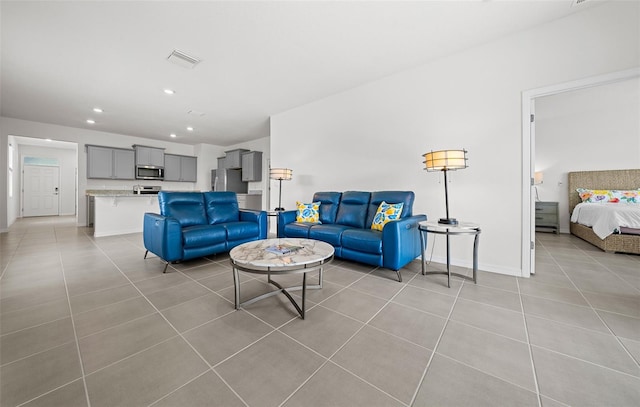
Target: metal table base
426 227
284 290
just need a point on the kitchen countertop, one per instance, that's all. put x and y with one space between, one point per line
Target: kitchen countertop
114 192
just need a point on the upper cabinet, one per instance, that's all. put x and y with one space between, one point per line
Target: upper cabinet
110 163
233 158
149 156
181 168
252 166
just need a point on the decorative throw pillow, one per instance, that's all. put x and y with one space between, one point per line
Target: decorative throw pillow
386 213
308 212
608 196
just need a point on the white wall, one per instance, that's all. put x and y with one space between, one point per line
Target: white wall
67 163
372 137
589 129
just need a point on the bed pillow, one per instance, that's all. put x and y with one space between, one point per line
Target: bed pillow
308 212
386 213
608 195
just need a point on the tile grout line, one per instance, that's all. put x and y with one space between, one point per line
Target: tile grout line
75 332
598 315
365 324
529 347
435 348
174 328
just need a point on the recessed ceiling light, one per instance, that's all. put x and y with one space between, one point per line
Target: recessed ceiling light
189 128
169 91
97 110
91 121
173 135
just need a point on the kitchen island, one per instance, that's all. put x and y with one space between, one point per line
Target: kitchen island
119 212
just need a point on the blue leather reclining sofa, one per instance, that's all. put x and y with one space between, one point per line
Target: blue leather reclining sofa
345 223
197 224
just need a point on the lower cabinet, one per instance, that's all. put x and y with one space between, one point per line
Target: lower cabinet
181 168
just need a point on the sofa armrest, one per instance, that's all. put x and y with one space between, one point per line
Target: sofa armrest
284 218
162 236
259 217
401 242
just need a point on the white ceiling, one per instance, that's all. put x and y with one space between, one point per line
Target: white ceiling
62 58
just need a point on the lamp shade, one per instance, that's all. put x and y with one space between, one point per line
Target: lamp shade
282 174
445 160
538 177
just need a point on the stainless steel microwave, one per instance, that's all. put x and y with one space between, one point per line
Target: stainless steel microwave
149 172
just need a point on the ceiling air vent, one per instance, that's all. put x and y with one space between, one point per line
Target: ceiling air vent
575 3
180 58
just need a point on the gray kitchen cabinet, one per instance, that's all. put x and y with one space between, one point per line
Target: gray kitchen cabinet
233 158
222 162
181 168
150 156
252 166
110 163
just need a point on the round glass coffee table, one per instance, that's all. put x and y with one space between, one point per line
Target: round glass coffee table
280 256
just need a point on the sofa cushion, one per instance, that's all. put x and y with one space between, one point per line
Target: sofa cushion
221 206
296 229
308 213
353 209
386 213
328 233
186 207
241 230
404 197
363 240
329 202
203 235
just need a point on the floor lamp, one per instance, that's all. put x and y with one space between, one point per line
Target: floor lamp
445 161
280 174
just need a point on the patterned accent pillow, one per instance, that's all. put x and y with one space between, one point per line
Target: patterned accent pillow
608 195
308 213
386 213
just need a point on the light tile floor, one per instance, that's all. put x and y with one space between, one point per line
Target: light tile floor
87 321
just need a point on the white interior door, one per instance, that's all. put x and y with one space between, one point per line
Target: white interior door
41 188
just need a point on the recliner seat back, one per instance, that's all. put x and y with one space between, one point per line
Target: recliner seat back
221 207
187 207
390 197
353 209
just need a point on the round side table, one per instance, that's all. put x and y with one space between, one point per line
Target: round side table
462 228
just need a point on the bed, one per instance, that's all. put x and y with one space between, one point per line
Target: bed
610 179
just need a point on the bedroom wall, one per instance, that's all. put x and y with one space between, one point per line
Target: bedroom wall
373 137
590 129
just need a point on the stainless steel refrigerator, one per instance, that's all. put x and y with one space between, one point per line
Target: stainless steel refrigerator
228 179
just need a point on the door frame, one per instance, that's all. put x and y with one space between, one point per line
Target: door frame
528 152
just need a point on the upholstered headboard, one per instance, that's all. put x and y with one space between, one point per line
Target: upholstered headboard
609 179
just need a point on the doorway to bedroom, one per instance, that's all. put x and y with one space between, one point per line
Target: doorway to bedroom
590 124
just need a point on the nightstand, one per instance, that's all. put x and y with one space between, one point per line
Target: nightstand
547 217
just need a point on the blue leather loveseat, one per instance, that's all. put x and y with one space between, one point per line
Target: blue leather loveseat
345 223
197 224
